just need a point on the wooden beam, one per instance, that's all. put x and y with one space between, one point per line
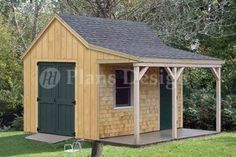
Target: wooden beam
215 72
136 106
179 72
218 101
142 72
113 61
181 61
217 75
169 71
169 64
174 73
174 103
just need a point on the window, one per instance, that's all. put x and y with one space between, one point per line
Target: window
123 88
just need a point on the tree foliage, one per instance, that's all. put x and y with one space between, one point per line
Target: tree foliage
11 73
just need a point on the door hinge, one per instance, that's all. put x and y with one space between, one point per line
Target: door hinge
73 133
38 129
74 102
38 99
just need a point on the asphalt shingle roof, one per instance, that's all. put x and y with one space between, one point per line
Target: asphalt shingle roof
134 38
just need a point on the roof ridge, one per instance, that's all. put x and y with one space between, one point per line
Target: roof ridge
105 19
133 38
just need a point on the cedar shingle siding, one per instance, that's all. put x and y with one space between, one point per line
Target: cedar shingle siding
118 122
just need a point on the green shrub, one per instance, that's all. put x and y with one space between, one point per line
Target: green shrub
200 111
17 124
229 113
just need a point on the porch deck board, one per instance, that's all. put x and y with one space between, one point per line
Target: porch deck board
156 137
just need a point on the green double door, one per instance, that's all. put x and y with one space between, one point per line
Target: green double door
56 98
165 100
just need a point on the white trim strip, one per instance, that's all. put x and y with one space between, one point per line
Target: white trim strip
179 72
173 64
169 71
142 72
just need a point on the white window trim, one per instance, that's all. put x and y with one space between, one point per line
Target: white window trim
131 91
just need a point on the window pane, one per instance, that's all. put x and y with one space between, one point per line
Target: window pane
123 78
122 97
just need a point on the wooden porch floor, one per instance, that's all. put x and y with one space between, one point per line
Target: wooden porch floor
155 137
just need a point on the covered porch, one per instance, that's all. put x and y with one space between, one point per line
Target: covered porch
174 68
156 137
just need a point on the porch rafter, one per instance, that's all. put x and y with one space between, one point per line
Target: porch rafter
142 72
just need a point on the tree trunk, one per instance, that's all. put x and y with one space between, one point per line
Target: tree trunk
17 27
37 7
96 149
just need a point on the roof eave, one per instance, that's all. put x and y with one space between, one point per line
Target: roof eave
162 62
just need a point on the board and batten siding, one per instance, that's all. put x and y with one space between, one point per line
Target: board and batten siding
59 44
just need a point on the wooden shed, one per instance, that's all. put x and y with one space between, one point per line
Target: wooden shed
103 79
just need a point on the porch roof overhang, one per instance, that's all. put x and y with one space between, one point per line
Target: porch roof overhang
180 63
175 68
159 62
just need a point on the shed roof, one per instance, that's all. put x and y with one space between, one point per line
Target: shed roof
133 38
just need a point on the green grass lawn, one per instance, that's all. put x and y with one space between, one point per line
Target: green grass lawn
224 144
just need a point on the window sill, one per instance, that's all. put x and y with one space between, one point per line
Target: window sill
123 108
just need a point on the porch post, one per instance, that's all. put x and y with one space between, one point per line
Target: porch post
136 105
174 74
174 104
217 75
218 103
218 100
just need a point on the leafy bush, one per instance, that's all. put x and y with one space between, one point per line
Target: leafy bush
200 104
17 124
11 87
229 113
199 110
5 128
